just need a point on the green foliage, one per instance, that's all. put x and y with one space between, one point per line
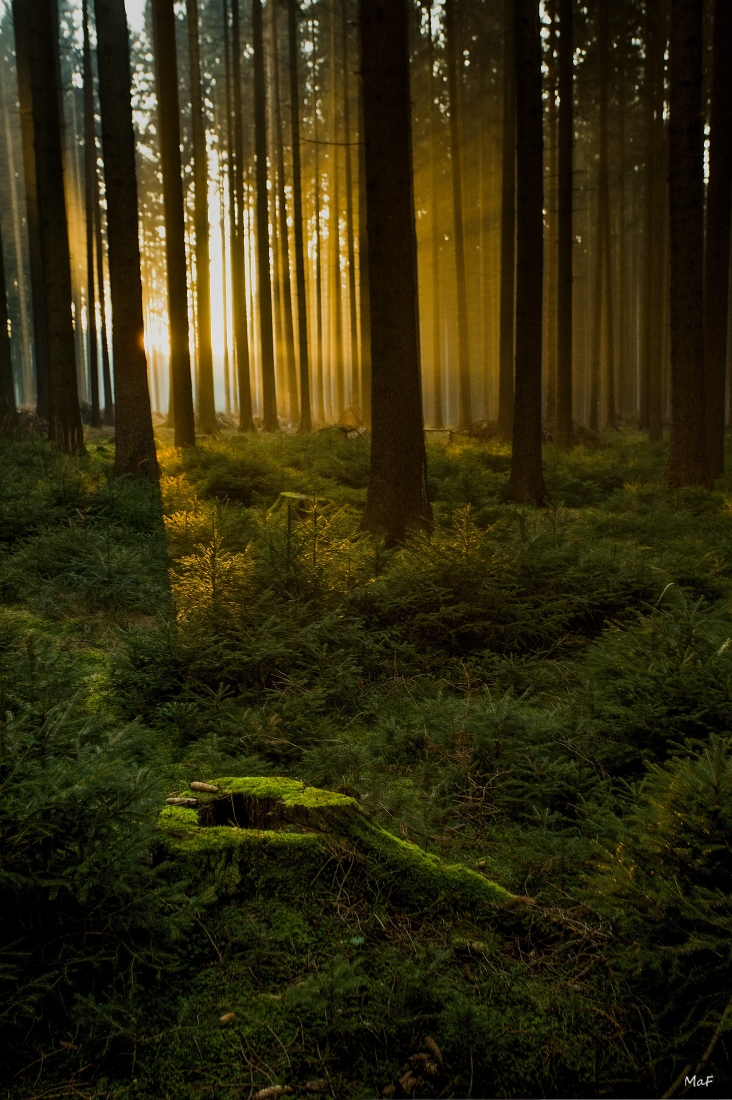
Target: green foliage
86 919
491 695
667 885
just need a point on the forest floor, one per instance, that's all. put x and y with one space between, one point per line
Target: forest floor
543 695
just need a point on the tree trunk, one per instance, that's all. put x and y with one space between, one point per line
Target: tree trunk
90 169
396 499
237 219
596 352
64 419
266 335
717 254
25 96
353 318
8 410
688 462
135 442
465 414
19 252
363 270
320 398
565 202
224 287
302 313
108 417
289 324
166 79
206 400
621 296
603 223
437 394
550 305
526 482
334 237
654 246
508 232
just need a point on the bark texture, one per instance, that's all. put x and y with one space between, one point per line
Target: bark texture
64 418
717 252
7 387
266 331
135 442
526 482
688 462
166 80
302 314
206 403
397 499
38 292
463 352
508 231
565 202
90 168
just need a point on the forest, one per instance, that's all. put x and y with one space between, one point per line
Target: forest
365 549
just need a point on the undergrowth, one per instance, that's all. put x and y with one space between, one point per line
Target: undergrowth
546 695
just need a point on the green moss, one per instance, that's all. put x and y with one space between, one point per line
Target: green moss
308 824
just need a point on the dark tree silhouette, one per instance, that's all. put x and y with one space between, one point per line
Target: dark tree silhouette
288 321
269 396
236 217
688 461
453 47
526 482
90 200
135 442
717 248
397 493
206 404
565 233
37 285
64 419
8 410
302 314
508 231
166 82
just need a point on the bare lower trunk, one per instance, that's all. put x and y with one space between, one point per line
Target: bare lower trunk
437 395
7 386
206 402
40 337
463 353
352 315
19 253
334 239
302 314
526 482
288 319
90 167
550 289
166 79
565 202
237 219
64 419
397 493
363 272
688 462
266 334
717 253
603 226
508 232
135 442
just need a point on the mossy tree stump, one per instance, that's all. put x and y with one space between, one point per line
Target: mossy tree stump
242 835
